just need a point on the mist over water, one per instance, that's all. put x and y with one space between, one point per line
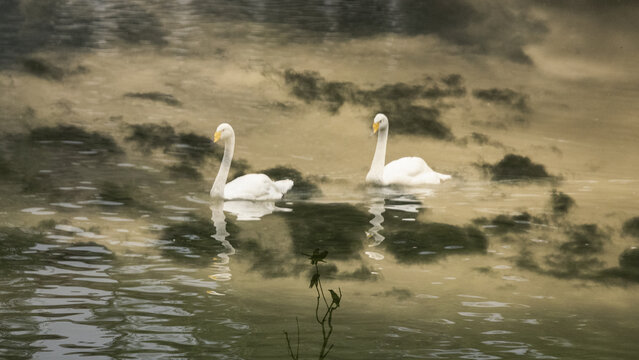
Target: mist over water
110 246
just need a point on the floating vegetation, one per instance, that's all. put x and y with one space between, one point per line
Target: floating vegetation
303 187
74 137
631 227
156 96
560 202
516 167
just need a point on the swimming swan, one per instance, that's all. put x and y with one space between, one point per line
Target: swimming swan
246 187
410 171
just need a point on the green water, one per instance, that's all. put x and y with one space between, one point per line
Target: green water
111 248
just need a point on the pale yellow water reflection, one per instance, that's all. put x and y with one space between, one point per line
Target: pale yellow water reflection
110 246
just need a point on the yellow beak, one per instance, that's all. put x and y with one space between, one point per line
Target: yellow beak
375 127
216 136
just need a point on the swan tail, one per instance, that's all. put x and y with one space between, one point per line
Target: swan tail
284 185
443 177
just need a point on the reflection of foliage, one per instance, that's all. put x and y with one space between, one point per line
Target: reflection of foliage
584 239
74 136
303 187
516 167
189 148
560 202
186 146
502 224
156 96
191 241
428 241
631 227
326 320
337 228
396 100
505 97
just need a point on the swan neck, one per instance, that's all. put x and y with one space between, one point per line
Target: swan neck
376 172
222 175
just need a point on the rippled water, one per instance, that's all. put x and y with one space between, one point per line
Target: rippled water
110 246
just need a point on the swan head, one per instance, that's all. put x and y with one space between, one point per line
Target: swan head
380 122
223 132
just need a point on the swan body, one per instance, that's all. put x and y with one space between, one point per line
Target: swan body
246 187
407 171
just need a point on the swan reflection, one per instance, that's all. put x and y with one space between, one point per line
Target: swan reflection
246 210
221 263
383 199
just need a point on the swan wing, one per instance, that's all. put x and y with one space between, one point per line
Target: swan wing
254 187
411 171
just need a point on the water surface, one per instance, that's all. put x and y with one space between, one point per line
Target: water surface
111 248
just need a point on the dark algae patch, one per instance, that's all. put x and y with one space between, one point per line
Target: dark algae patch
631 227
168 99
516 167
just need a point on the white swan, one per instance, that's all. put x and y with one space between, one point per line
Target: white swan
409 171
246 187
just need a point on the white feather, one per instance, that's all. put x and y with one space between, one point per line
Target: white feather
246 187
407 171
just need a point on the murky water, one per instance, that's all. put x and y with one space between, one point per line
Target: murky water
110 246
